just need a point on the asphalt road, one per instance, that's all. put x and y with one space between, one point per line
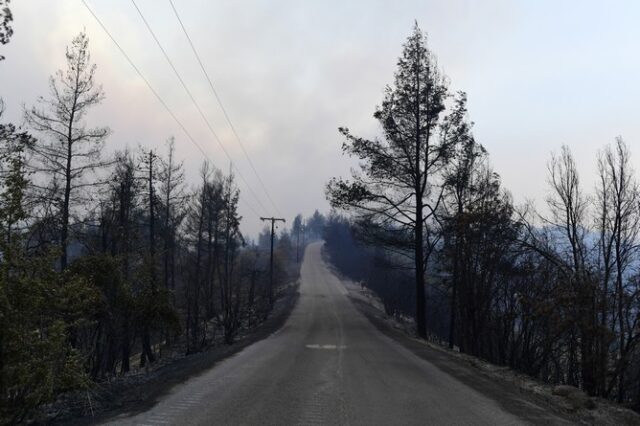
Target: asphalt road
328 365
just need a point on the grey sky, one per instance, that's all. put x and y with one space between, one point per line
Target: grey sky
538 74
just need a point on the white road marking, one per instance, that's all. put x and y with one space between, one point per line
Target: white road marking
328 347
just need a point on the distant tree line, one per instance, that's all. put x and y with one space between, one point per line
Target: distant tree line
108 260
555 294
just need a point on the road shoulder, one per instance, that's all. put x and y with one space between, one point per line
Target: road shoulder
516 393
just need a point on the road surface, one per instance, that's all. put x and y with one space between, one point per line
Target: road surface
328 365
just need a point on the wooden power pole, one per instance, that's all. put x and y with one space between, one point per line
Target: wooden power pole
273 221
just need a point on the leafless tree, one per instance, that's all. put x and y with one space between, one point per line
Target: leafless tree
69 150
171 191
618 198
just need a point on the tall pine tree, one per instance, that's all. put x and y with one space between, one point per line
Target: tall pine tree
396 191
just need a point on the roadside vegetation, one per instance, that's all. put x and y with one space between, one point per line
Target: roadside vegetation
109 260
427 225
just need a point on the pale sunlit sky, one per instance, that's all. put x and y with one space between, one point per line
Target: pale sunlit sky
538 74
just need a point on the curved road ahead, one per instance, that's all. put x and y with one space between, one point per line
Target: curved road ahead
328 365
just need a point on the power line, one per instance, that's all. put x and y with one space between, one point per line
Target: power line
224 110
158 97
193 100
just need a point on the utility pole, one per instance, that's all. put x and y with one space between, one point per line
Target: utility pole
273 221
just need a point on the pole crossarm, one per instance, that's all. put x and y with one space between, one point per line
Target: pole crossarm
273 219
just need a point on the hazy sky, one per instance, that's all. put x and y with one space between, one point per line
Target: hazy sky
538 74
